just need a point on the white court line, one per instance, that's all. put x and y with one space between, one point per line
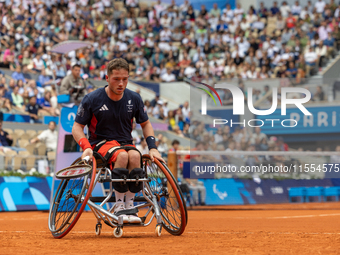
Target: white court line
217 233
277 217
304 216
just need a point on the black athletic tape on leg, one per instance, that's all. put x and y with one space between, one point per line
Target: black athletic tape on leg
136 173
120 173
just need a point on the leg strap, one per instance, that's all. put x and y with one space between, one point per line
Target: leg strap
120 173
136 173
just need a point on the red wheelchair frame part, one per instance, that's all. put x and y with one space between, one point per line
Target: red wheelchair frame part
89 191
174 186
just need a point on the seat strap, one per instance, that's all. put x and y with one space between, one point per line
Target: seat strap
112 150
99 145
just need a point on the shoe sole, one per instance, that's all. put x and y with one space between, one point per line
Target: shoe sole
134 219
126 219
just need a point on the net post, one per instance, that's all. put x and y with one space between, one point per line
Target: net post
172 163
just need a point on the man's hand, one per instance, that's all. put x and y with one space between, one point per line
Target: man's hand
154 153
87 152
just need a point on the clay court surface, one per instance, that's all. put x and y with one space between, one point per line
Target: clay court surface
312 228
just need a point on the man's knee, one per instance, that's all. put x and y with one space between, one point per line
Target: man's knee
134 156
122 158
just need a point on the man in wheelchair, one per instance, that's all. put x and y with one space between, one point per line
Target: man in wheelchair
108 112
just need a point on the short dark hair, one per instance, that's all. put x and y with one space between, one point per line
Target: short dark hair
76 65
174 142
116 64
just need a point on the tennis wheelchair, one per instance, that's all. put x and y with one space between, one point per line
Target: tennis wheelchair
160 197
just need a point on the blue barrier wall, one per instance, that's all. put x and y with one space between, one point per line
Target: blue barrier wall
32 193
243 191
25 194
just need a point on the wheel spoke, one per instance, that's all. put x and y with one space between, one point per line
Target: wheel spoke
68 204
169 206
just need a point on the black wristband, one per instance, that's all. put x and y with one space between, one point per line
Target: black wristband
151 141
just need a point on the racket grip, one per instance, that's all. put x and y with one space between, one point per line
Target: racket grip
87 158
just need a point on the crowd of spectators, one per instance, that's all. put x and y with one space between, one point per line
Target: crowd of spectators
161 42
168 42
241 139
178 119
19 97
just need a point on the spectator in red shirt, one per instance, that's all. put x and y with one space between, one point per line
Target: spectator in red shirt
290 21
185 62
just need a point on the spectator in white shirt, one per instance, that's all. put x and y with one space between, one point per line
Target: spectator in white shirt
237 51
310 7
322 31
190 70
238 12
320 6
132 3
159 8
284 9
337 12
335 158
49 137
184 7
304 13
168 76
165 20
165 35
165 108
199 54
251 17
258 24
243 45
310 59
38 63
228 11
258 135
252 74
296 8
150 41
244 24
321 52
185 109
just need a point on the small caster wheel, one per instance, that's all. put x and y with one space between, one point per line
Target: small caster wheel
118 232
158 230
98 229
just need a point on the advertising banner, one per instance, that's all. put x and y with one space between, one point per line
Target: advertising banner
324 119
25 194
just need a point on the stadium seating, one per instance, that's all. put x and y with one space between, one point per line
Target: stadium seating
297 192
332 192
315 192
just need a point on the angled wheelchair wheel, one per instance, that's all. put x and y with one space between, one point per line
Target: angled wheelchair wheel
71 197
179 190
169 197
